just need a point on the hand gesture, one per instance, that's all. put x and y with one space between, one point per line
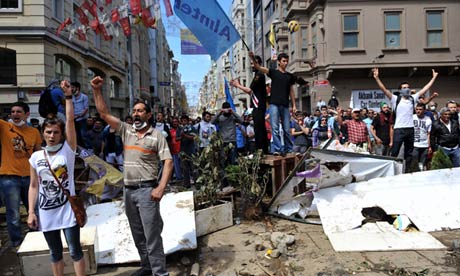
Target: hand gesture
234 83
65 86
435 74
32 221
435 94
252 57
96 83
375 72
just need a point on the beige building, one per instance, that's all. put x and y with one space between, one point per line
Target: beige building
33 54
340 41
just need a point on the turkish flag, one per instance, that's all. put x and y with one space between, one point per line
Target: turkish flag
104 32
108 2
82 16
124 22
115 15
147 19
93 10
94 24
61 27
136 6
81 35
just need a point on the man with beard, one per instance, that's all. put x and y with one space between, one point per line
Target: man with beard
258 93
95 136
382 130
18 141
144 148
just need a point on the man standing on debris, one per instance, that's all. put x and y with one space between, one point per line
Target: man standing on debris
282 89
144 147
18 142
422 129
445 136
356 129
403 108
258 93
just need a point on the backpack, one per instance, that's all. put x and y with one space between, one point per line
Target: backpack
397 103
46 105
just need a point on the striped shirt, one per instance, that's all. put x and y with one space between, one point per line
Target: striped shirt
142 155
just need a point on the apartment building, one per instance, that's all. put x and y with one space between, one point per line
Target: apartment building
32 54
340 41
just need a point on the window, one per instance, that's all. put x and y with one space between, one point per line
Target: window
350 29
8 66
10 5
304 34
114 88
393 30
62 70
244 64
58 9
97 40
314 34
292 44
435 29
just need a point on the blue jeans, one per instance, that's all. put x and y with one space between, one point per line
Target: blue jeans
146 225
15 188
82 140
72 236
277 113
406 136
453 154
177 167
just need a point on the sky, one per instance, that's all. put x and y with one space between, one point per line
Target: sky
192 67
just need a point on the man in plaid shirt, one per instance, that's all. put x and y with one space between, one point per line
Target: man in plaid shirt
357 129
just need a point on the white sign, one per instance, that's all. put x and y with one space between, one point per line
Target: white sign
369 99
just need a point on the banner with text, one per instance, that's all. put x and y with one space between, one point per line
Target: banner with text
369 99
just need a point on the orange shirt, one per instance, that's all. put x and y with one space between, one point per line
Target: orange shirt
18 143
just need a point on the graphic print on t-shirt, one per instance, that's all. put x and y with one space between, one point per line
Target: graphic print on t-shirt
52 196
19 145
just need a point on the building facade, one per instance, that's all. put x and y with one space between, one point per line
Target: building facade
340 41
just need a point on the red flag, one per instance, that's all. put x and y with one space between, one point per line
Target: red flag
94 24
108 2
86 5
147 19
168 7
93 10
115 15
82 16
124 22
136 6
104 32
81 35
66 22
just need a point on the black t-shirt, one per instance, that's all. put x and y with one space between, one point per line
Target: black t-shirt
258 88
281 87
382 130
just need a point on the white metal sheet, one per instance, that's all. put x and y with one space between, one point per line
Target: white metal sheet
115 243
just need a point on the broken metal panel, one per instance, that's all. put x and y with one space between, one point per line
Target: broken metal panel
429 199
337 168
115 242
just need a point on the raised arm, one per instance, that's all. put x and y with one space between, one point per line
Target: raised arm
429 84
71 134
257 66
237 84
382 87
101 106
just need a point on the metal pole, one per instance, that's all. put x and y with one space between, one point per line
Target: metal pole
130 73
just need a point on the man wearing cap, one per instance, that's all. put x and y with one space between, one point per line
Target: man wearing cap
356 129
382 130
403 107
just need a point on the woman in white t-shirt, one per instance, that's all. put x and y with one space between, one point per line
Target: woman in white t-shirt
54 210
